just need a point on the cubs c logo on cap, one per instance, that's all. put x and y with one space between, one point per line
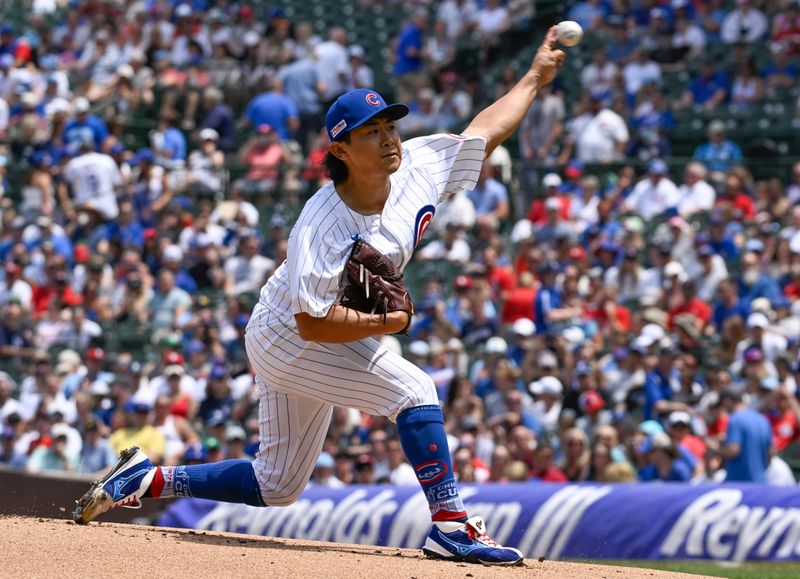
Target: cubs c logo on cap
373 99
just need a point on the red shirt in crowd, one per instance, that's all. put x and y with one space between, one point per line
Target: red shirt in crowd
741 204
595 312
695 445
502 280
538 214
719 427
785 429
43 294
697 307
551 474
519 304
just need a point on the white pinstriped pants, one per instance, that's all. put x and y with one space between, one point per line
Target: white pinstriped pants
299 384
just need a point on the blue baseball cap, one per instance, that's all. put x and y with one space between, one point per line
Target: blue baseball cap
356 107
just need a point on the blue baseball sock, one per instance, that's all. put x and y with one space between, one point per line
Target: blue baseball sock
424 441
232 481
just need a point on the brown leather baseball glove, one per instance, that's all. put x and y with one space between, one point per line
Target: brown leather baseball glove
375 285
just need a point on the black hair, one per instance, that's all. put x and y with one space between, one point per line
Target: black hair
335 168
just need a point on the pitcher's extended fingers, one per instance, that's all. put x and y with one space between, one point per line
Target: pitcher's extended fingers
551 38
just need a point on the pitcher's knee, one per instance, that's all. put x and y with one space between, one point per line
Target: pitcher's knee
421 393
279 496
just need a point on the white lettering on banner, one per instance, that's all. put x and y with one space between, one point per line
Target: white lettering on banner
718 525
556 519
410 525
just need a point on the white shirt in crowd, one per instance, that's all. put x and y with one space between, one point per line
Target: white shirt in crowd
248 274
596 136
94 178
333 65
458 252
697 197
747 25
599 78
636 74
693 37
648 199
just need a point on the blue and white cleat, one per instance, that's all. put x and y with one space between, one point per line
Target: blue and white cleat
468 542
123 486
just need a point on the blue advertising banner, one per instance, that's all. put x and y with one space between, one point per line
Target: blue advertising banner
624 521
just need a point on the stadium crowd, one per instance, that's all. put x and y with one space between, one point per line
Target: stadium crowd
612 325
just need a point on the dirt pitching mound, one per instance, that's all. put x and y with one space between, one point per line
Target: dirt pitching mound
56 548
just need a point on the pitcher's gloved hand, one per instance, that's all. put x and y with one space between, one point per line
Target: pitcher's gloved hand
375 284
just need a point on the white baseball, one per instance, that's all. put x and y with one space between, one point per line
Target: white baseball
570 33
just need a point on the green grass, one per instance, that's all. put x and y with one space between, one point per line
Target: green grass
710 568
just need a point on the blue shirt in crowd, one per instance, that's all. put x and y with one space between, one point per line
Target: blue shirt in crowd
91 129
220 118
547 298
719 156
410 37
273 109
751 431
703 88
487 196
657 386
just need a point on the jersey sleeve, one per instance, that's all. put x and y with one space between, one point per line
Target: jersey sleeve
451 162
315 269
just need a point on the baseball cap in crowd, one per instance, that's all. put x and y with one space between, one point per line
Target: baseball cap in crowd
591 401
235 432
218 372
137 407
656 441
195 347
551 180
356 107
81 105
546 386
753 354
496 345
547 359
241 321
657 167
673 268
325 460
583 368
100 388
770 383
171 358
59 430
757 320
680 417
209 135
356 51
364 461
419 348
174 370
523 327
462 282
172 253
143 155
96 354
754 245
574 169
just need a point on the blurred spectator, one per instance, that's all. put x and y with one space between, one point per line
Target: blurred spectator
654 194
85 127
542 126
664 460
748 441
745 23
708 89
219 117
332 66
748 86
56 456
718 154
97 456
696 195
408 55
598 135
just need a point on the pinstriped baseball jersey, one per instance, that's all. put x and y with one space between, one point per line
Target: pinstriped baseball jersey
432 169
300 382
